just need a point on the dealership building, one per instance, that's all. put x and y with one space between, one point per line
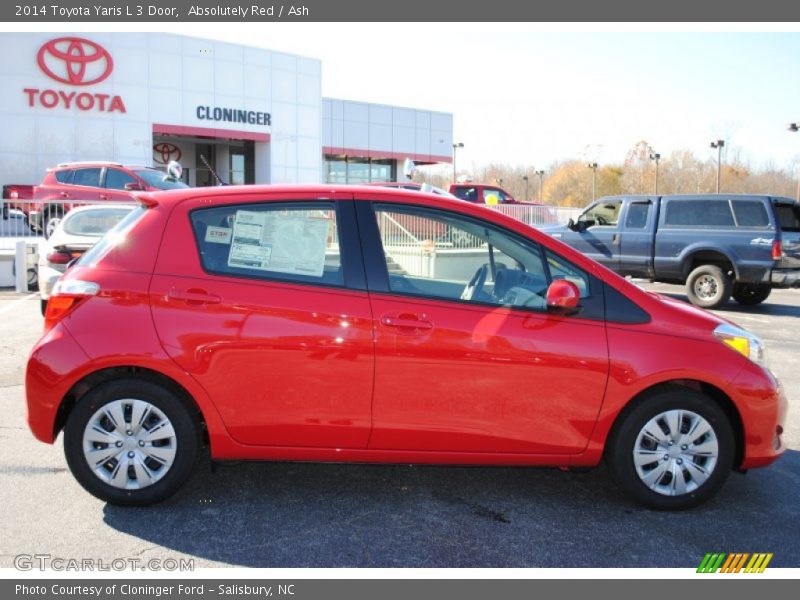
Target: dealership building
255 115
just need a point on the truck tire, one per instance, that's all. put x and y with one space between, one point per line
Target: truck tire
708 286
750 294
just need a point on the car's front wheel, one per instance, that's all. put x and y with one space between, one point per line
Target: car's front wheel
131 442
673 450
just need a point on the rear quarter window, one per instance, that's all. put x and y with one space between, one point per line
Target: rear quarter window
64 176
699 213
750 213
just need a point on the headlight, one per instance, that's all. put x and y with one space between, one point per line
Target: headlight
744 342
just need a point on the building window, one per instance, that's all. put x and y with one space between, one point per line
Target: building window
346 169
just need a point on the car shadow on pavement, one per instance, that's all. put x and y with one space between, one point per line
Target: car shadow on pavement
331 515
766 308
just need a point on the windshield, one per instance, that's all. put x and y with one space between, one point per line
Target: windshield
115 235
156 179
788 216
94 222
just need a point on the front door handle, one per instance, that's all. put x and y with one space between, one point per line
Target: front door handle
615 239
194 296
103 196
408 323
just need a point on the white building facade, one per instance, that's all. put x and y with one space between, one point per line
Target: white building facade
253 115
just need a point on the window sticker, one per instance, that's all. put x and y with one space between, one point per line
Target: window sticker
286 242
218 235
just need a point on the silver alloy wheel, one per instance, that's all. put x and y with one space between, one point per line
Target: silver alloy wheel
129 444
675 452
706 287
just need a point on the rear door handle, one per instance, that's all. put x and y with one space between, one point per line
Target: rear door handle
194 296
103 197
409 323
64 194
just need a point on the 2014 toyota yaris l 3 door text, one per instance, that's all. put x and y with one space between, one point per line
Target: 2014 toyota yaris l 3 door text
319 323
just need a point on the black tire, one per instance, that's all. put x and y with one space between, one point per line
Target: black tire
180 415
622 443
719 282
750 294
52 214
43 305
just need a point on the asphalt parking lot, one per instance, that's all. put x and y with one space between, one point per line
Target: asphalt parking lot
311 515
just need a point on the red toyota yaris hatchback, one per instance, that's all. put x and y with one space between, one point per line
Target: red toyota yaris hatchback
284 323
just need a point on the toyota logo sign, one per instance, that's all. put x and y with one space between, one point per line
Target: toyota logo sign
164 152
75 61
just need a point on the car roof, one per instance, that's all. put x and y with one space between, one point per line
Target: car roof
97 163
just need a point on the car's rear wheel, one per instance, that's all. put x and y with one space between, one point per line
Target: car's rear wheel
750 294
708 286
131 442
673 450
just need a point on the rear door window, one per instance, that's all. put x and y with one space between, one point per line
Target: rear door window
788 216
89 177
750 213
297 242
699 213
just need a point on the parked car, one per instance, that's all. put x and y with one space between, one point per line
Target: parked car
482 194
717 245
418 187
78 231
69 183
237 323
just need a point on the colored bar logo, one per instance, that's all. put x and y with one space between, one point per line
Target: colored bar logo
734 562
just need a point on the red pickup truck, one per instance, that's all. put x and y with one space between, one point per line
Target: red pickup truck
65 186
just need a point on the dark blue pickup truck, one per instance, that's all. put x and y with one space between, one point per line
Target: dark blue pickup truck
718 245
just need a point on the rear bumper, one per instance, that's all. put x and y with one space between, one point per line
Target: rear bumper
786 278
51 368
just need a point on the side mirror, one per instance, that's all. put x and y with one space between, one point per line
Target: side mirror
563 297
571 225
134 187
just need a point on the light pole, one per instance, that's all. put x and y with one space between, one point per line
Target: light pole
794 128
719 145
593 167
456 147
525 177
655 157
541 183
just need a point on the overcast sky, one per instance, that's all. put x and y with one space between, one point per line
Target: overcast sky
523 95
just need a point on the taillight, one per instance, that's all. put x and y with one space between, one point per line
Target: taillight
13 195
59 258
66 295
777 250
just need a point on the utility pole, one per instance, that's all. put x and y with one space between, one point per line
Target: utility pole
541 183
655 157
455 148
593 167
719 145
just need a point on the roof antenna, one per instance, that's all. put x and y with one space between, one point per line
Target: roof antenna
217 178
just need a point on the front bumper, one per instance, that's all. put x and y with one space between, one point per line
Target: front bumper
763 406
785 278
